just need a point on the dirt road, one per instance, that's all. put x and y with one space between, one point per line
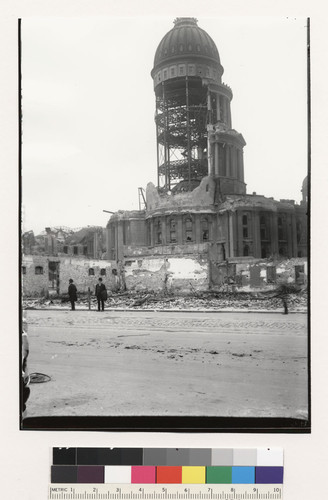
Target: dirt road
153 363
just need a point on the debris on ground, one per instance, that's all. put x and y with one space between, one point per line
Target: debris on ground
210 300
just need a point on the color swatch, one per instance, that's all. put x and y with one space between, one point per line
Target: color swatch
167 466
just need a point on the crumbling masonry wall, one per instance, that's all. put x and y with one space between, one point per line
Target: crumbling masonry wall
167 274
249 274
36 285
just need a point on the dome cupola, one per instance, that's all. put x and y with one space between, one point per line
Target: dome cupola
185 44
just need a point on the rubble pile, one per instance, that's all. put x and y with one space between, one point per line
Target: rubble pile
215 301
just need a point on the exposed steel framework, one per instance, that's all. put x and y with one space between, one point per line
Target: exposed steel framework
182 115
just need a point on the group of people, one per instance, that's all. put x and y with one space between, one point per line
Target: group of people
101 294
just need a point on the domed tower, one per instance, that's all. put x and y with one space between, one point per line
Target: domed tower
193 117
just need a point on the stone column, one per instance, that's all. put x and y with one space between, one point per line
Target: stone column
198 238
289 236
294 235
223 116
240 236
242 165
120 249
233 161
227 159
218 114
274 234
108 244
229 114
231 234
179 230
216 160
256 235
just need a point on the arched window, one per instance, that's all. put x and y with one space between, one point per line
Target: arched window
173 233
204 228
91 271
246 251
188 229
38 270
102 272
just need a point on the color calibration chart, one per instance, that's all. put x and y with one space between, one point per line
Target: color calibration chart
166 473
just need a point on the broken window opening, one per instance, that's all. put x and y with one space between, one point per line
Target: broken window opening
65 249
75 250
205 229
189 229
263 252
91 271
38 270
102 272
85 250
246 251
23 269
271 274
245 232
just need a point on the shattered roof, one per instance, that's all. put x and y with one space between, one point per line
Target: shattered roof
82 235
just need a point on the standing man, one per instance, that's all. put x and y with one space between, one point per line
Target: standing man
101 294
72 292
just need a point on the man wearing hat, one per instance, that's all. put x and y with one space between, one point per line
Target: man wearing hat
72 292
101 294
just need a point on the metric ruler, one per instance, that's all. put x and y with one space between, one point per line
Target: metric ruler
165 492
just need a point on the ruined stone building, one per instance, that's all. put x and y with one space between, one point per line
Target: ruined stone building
198 228
51 258
199 224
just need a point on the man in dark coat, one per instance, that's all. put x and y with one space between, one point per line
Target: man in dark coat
72 292
101 294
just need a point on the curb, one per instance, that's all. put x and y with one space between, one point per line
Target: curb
218 311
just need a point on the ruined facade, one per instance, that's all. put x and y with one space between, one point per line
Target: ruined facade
199 209
199 228
55 241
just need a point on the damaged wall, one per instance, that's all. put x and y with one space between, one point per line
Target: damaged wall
172 274
36 278
248 274
188 249
201 196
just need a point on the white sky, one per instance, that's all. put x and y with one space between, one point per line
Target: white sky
88 110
